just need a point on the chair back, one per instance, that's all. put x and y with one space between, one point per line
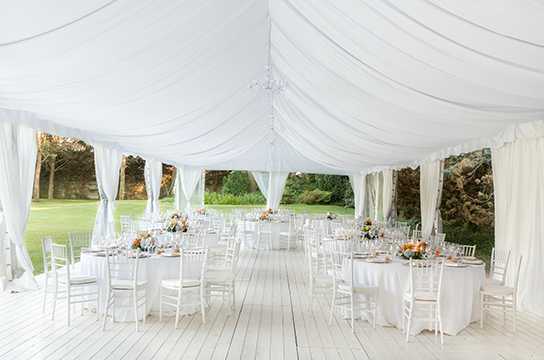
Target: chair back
426 277
193 240
334 227
47 255
122 266
468 250
193 263
231 254
265 226
499 264
60 258
342 268
126 223
77 242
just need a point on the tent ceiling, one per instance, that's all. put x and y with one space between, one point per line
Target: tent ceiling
372 83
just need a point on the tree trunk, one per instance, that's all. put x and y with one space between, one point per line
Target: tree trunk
51 178
36 197
122 179
252 183
173 183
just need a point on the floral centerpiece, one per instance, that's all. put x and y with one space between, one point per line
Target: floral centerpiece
331 216
368 232
413 250
177 225
178 215
265 215
201 211
144 242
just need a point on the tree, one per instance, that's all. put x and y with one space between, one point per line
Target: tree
122 178
40 139
236 184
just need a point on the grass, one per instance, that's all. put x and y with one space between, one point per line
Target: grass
58 218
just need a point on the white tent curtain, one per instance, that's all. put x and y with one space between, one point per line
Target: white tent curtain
153 179
358 184
18 150
189 180
107 163
430 189
276 186
387 193
518 170
3 253
262 178
180 201
377 183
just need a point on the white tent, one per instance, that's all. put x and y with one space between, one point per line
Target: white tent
372 84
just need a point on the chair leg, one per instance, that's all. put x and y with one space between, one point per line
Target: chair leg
439 316
310 298
513 311
54 300
44 295
333 304
135 301
202 309
352 312
409 320
106 311
68 298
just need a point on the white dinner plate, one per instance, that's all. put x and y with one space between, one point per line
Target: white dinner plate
455 264
170 254
378 261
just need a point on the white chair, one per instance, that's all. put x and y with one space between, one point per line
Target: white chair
47 267
500 296
344 289
73 286
468 250
123 284
291 235
220 280
425 294
334 228
188 289
498 267
193 239
247 235
419 235
127 224
77 243
319 285
265 234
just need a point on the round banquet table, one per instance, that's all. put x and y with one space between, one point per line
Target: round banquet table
460 290
276 227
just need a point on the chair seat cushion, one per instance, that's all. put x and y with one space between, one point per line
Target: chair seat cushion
77 279
421 296
217 275
174 283
358 288
127 284
323 279
218 268
497 289
218 249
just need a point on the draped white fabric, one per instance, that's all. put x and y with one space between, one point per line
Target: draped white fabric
358 184
429 190
153 179
180 201
107 163
18 150
189 180
373 84
387 193
518 170
262 179
276 186
3 253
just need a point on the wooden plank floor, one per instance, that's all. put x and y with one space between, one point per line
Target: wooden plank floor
270 322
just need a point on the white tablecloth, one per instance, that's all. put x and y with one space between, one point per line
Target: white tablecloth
276 228
211 240
460 289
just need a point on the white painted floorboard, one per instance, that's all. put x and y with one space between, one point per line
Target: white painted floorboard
271 321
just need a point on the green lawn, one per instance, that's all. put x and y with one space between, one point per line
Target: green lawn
58 218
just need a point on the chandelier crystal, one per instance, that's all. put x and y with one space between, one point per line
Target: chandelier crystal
269 87
271 129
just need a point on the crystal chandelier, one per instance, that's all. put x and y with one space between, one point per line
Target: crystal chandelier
271 129
269 86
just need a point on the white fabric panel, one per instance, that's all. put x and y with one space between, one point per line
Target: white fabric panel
276 186
358 184
153 179
180 201
429 191
167 80
3 253
518 170
262 179
387 193
18 150
189 180
107 164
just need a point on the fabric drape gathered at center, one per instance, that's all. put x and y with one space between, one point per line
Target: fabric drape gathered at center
189 180
518 170
262 178
18 151
153 178
107 164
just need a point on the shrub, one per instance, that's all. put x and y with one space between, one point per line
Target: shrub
256 198
236 184
315 196
337 185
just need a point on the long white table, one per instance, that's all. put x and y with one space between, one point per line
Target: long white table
460 289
